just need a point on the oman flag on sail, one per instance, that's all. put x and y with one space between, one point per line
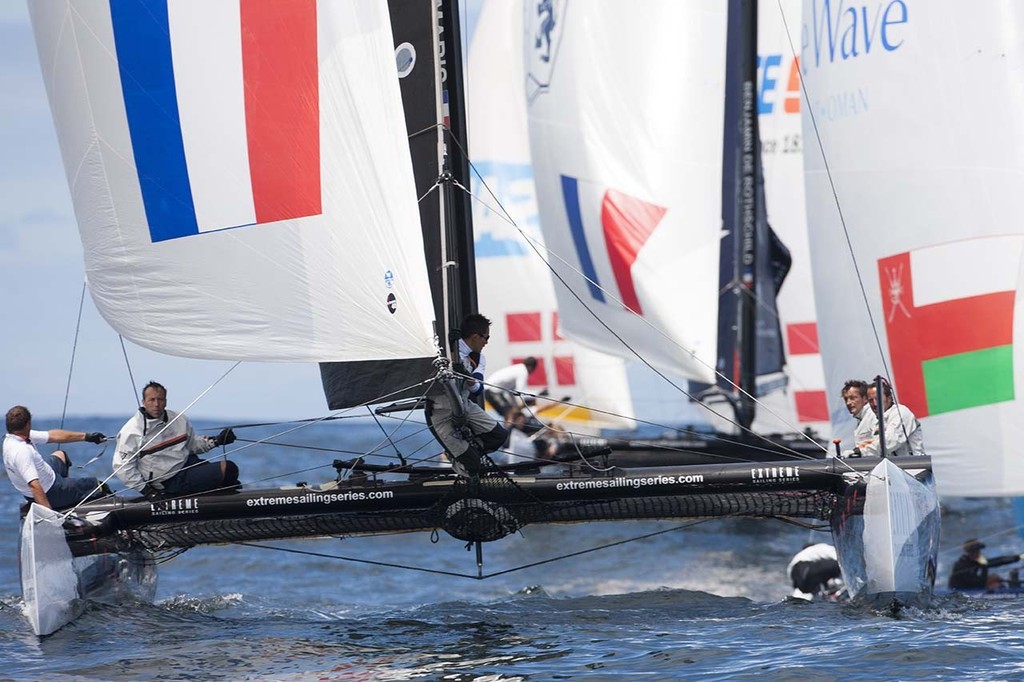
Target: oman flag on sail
608 227
949 318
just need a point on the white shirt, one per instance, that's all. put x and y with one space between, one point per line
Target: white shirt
511 378
24 464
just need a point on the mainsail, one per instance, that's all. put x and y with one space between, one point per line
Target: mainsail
240 175
929 220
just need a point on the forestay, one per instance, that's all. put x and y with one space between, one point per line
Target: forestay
919 103
241 176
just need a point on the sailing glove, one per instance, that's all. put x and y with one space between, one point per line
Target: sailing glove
225 437
95 437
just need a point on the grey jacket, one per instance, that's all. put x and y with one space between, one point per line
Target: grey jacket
153 450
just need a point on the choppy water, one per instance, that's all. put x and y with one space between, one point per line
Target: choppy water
706 602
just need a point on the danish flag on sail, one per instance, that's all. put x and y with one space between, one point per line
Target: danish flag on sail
222 104
949 317
625 223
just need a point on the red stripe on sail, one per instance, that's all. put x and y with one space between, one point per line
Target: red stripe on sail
811 406
627 222
565 370
282 107
917 334
802 338
539 376
523 327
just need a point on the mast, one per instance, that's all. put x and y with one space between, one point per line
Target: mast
457 214
749 207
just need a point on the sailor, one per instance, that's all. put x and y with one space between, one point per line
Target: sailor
814 571
45 480
485 434
970 572
158 452
902 429
855 396
505 386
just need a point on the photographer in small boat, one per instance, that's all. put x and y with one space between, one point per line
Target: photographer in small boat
970 572
855 396
158 452
902 429
42 479
487 435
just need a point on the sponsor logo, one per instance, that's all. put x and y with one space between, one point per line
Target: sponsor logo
545 20
320 498
775 474
188 505
405 59
392 303
624 482
838 31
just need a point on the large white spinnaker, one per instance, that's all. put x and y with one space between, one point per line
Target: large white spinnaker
918 104
513 281
240 174
625 105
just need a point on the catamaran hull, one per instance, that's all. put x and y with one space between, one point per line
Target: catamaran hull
56 585
887 534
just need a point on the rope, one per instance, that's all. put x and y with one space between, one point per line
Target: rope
74 348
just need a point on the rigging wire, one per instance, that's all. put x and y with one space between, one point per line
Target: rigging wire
476 576
544 258
74 349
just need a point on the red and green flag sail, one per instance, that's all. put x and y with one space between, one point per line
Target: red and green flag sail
950 328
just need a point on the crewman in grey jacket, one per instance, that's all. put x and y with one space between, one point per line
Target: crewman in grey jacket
158 452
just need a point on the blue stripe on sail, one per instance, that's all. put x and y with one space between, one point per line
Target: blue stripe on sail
142 37
571 194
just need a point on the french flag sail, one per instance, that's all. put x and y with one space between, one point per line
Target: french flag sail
241 176
222 102
628 173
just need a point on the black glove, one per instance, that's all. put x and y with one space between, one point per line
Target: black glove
151 493
95 437
545 393
225 437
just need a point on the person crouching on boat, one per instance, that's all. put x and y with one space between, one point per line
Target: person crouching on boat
902 429
815 571
970 572
158 452
487 434
45 480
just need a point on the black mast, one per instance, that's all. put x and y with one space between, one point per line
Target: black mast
747 198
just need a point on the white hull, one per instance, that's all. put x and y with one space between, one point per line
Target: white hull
55 585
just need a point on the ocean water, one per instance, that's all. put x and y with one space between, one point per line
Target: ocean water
688 601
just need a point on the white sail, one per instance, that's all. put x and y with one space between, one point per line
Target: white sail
918 104
803 403
240 176
513 280
629 193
